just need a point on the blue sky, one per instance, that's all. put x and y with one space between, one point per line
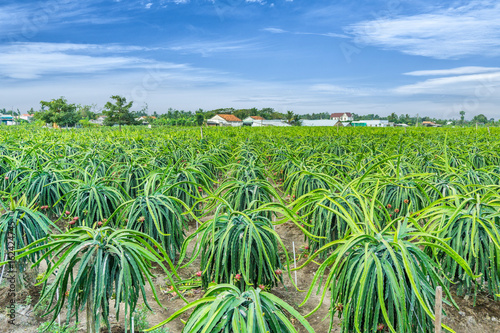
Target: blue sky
433 58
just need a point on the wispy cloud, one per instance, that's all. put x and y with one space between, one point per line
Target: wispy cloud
208 48
331 89
262 2
473 29
178 2
461 85
34 60
326 34
21 22
275 30
454 71
40 47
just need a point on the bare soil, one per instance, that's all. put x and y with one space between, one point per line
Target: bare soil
483 318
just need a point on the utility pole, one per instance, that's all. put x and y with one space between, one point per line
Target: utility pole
416 124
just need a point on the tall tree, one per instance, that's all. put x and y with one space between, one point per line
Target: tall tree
85 112
267 113
59 112
462 116
118 113
199 118
480 118
296 120
392 118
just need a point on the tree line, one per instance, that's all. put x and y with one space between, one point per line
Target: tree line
118 112
413 120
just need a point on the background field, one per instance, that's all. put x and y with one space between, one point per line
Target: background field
432 179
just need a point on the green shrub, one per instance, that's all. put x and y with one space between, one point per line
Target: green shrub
239 248
381 278
159 217
224 308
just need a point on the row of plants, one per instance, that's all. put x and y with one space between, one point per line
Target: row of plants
383 229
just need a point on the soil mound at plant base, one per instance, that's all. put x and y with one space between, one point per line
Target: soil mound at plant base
21 296
482 318
114 329
4 298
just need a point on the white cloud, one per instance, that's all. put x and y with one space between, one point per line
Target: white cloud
454 71
210 47
33 60
275 30
178 2
40 47
326 34
21 22
457 32
331 89
480 85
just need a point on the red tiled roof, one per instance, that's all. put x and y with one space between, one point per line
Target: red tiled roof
229 117
256 117
340 114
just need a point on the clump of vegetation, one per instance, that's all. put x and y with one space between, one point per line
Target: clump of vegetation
47 327
390 214
225 308
239 248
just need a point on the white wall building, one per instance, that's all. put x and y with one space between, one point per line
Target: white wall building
224 120
99 120
372 123
342 116
253 121
319 122
6 119
26 117
257 121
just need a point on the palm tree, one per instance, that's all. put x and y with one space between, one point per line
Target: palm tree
462 116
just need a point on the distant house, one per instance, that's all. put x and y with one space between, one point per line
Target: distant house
145 119
430 124
253 121
99 120
345 116
26 117
320 122
275 122
6 119
256 121
224 120
342 124
372 123
401 125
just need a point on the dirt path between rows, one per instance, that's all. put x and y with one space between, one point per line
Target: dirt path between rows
484 318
